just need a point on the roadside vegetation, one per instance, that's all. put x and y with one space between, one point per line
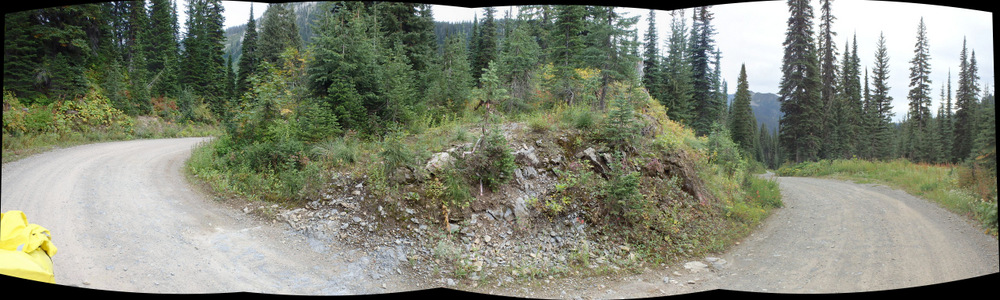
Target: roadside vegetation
39 124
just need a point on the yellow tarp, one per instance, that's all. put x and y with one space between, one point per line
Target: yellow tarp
25 249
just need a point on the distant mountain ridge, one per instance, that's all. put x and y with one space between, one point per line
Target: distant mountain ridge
766 109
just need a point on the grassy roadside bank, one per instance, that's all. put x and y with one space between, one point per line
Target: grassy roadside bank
960 188
30 129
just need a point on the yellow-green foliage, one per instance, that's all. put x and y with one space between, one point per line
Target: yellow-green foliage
90 113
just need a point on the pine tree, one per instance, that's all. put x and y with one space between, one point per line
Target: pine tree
565 48
250 58
881 102
652 73
677 73
800 87
486 43
832 115
704 89
163 49
517 61
743 124
920 99
278 31
965 102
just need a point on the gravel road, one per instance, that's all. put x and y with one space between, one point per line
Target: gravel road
125 219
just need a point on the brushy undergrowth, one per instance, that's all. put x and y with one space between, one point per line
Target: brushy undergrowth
960 188
35 128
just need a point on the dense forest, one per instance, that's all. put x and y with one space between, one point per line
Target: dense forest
134 52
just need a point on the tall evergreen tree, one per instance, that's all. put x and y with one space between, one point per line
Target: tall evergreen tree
486 43
848 110
881 104
517 61
652 72
250 58
203 59
565 48
800 86
920 99
451 89
278 31
743 124
965 103
704 89
828 76
607 47
164 49
677 78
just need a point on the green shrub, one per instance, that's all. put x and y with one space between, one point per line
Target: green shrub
493 163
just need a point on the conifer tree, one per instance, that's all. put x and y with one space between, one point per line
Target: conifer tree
517 61
920 99
881 104
800 87
250 58
202 66
565 48
965 102
704 87
743 124
652 72
486 43
163 49
452 87
278 31
832 115
677 73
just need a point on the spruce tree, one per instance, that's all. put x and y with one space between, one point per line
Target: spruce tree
677 69
163 49
965 102
278 31
517 61
832 115
565 48
920 99
250 58
651 70
704 88
743 124
486 43
800 87
881 103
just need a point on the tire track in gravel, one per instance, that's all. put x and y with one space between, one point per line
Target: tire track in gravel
125 219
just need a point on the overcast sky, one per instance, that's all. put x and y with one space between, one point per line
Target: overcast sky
752 33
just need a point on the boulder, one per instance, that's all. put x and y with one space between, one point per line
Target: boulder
439 161
526 157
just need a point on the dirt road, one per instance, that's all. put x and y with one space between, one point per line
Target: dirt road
125 219
831 237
